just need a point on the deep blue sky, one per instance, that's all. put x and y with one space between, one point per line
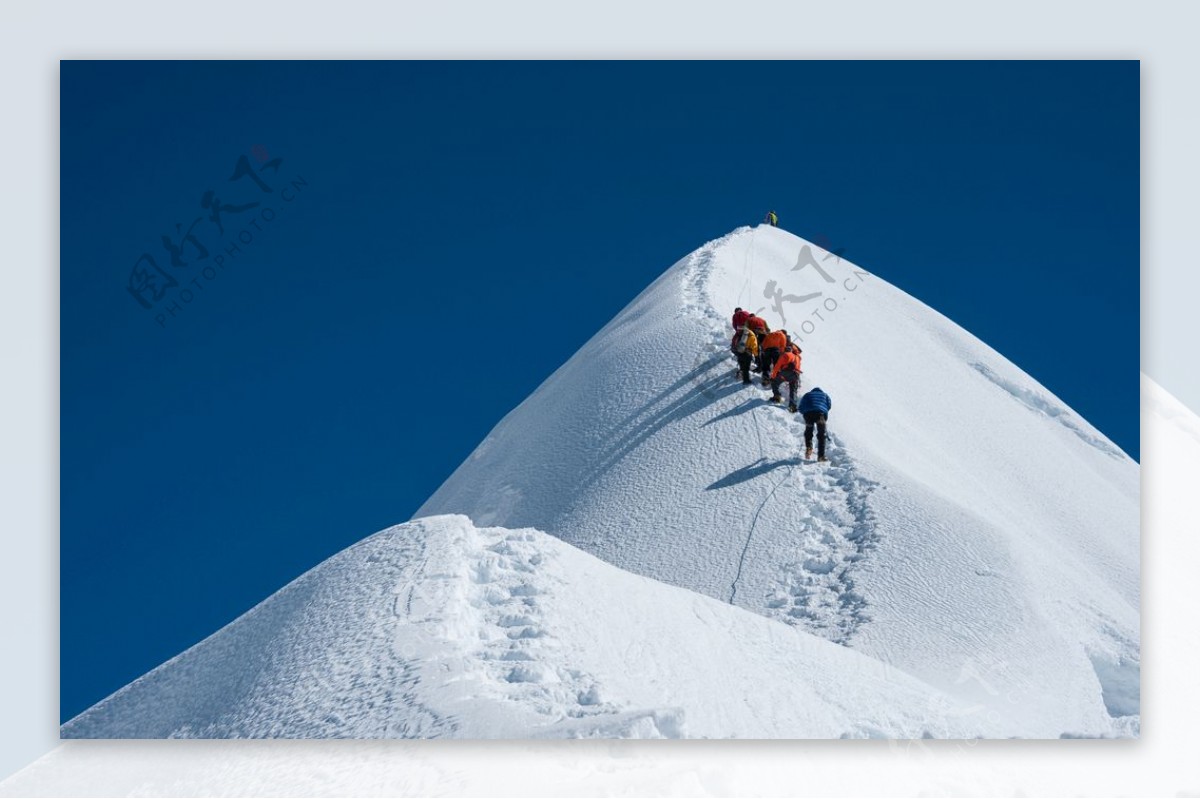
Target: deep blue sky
463 229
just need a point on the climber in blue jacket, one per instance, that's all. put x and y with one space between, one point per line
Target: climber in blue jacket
815 406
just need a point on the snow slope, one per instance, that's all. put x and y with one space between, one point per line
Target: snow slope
1162 766
436 628
971 529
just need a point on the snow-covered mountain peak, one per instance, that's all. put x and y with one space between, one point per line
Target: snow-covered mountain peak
966 565
968 520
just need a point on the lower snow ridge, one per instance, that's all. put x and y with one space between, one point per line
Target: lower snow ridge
436 628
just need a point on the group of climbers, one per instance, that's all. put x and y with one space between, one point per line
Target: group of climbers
777 358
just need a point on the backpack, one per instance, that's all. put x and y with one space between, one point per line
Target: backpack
740 347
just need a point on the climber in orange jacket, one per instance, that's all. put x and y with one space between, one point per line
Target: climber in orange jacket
787 367
772 346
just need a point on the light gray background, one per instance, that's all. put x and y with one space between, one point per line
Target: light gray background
34 37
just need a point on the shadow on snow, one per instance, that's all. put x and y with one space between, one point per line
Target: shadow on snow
756 469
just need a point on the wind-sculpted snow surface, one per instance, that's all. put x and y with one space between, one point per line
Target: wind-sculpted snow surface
970 529
438 629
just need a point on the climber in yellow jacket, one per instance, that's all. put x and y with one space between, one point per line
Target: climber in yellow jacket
745 347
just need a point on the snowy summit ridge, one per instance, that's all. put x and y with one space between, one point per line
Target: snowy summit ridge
966 565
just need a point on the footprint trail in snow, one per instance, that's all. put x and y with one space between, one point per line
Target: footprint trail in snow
836 527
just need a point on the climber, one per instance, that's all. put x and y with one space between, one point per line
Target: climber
739 318
772 346
787 367
815 406
745 347
761 329
771 219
